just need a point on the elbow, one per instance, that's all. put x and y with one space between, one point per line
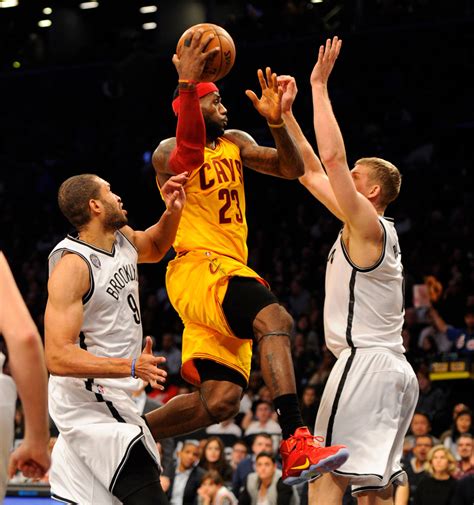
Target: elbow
332 159
304 179
55 364
293 171
160 251
299 169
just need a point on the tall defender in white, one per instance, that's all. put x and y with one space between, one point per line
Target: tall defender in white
105 452
371 393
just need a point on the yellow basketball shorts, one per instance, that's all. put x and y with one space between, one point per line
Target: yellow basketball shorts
196 283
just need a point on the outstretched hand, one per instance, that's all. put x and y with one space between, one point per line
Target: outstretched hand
194 56
146 367
269 104
173 192
327 56
288 84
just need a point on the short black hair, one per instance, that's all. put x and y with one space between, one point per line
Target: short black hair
74 195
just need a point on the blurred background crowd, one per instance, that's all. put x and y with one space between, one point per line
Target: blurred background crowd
92 94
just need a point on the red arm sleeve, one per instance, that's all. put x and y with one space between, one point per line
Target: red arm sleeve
190 134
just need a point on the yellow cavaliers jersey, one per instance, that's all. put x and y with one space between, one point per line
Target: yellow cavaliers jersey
214 215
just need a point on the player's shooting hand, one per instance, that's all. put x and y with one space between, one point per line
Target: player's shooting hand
192 61
288 84
269 104
327 56
146 367
32 458
173 192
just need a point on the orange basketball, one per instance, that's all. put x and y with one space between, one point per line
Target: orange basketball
220 64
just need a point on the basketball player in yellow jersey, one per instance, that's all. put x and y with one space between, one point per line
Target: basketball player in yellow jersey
225 305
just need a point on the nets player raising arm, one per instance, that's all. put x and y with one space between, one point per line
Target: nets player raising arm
94 346
70 283
363 308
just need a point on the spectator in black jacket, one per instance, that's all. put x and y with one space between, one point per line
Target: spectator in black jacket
186 478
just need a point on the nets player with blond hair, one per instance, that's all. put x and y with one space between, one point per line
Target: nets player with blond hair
226 306
371 392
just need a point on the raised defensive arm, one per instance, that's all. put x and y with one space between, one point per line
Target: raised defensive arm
284 161
315 178
153 243
358 212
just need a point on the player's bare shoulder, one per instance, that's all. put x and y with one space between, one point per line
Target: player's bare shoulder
240 138
160 159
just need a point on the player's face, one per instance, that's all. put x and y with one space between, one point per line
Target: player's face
215 115
360 177
363 180
115 216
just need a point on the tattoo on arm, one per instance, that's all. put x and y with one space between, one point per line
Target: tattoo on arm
161 158
290 161
285 161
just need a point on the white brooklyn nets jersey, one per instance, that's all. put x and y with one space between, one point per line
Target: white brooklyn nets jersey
112 324
364 307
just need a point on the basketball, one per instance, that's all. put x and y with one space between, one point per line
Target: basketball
218 66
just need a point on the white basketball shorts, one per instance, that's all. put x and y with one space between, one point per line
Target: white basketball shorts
98 427
367 405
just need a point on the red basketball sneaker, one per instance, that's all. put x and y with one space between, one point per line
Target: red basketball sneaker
304 459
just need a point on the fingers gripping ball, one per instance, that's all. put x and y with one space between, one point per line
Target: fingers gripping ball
221 63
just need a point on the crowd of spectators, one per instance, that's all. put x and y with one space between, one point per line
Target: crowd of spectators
384 111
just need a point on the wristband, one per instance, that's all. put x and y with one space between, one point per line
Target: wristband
134 360
279 125
187 84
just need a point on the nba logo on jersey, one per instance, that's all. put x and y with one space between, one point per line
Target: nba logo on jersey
95 260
